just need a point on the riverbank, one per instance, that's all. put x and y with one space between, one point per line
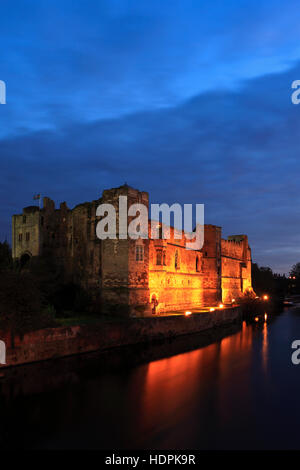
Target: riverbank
178 393
51 343
36 377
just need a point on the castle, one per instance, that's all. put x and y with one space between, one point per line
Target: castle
138 277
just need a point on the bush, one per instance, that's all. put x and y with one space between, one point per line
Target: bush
71 297
48 277
5 256
62 296
21 307
250 303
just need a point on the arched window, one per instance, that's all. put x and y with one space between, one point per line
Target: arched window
197 264
139 252
160 232
24 260
158 257
176 260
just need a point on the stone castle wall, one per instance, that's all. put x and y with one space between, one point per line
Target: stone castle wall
26 233
175 275
236 267
167 278
52 343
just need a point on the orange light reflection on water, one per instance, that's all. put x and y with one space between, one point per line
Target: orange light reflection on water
173 386
265 347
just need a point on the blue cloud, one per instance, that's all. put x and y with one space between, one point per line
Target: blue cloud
188 101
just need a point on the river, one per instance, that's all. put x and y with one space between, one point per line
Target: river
238 391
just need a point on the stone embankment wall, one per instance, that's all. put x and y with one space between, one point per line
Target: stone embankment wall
52 343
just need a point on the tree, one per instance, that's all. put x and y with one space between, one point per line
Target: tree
48 277
5 255
264 281
295 271
20 304
294 279
56 292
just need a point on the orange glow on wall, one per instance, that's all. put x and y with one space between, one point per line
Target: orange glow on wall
195 282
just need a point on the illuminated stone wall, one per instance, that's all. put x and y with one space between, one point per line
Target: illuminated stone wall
236 267
124 279
167 278
212 265
26 233
175 275
223 271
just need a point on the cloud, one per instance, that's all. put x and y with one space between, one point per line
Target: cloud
100 59
235 151
189 102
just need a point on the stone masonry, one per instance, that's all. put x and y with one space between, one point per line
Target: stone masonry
136 277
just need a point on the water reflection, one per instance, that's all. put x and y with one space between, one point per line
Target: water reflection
265 347
221 395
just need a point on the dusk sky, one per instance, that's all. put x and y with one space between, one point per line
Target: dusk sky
188 100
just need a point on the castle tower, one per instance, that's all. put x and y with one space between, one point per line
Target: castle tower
26 234
124 261
212 293
236 267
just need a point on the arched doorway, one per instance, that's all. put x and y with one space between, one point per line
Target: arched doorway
24 260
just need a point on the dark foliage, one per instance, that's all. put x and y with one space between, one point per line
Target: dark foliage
71 297
5 256
294 279
264 281
32 294
21 307
49 278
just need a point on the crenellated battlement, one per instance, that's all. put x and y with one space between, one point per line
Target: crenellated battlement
232 248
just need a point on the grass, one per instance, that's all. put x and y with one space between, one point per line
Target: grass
78 320
73 319
70 318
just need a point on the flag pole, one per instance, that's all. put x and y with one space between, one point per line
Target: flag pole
37 197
